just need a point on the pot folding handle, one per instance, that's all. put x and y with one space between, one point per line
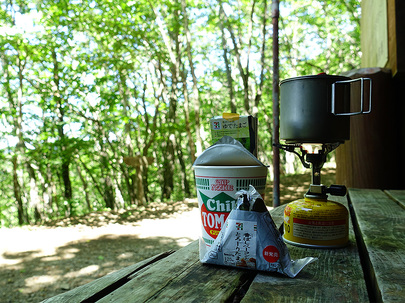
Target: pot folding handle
361 97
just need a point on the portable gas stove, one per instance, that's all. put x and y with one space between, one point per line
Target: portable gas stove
314 120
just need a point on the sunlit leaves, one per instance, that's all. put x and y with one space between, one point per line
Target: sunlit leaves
114 85
321 36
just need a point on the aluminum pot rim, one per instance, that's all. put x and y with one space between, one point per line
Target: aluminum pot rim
316 77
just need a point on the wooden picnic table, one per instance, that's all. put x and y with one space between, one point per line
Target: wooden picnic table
370 269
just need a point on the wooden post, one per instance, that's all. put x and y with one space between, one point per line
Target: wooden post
276 107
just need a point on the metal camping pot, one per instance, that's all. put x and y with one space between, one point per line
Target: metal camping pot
316 108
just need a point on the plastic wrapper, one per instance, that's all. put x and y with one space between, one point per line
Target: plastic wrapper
227 151
250 239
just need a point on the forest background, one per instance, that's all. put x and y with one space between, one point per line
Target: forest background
106 104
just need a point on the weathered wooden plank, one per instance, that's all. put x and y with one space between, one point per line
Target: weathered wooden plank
398 196
115 279
336 277
180 277
374 40
381 223
204 283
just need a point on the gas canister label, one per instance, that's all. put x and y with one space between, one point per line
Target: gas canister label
319 230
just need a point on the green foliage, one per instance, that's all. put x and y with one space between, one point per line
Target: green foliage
90 83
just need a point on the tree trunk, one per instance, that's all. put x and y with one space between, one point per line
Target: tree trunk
232 103
180 156
262 62
35 201
85 187
151 131
187 118
196 94
123 88
173 48
17 191
140 194
244 75
168 168
46 193
62 138
16 108
95 182
108 190
109 197
54 198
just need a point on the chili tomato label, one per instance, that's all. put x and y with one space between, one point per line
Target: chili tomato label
215 211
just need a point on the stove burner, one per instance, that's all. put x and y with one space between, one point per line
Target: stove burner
315 160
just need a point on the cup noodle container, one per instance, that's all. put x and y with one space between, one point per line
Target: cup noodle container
216 188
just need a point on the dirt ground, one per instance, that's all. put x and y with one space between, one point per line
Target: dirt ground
38 262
